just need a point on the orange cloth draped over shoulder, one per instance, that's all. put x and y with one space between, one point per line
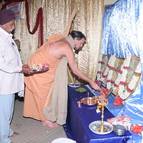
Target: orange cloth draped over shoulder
38 85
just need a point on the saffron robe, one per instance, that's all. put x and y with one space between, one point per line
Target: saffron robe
46 93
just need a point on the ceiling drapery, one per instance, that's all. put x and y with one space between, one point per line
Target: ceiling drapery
56 14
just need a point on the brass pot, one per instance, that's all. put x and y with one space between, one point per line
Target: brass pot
89 100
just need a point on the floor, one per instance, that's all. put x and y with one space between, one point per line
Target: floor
32 131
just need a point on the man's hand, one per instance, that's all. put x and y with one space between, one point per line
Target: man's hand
94 85
40 68
45 68
26 69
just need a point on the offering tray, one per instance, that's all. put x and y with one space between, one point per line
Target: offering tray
88 101
96 126
39 68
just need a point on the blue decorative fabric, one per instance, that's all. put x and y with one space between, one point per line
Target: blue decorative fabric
119 28
122 36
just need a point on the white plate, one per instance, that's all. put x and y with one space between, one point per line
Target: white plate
63 140
94 127
75 85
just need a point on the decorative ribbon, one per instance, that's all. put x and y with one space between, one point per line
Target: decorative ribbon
111 81
114 69
116 85
104 76
123 82
129 90
126 67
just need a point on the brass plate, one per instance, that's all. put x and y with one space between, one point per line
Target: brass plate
95 127
89 100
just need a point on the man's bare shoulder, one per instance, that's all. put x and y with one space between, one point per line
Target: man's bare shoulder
61 44
60 48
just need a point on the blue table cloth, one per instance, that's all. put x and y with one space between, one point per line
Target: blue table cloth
79 119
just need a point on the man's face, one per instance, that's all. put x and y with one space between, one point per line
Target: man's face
9 26
79 44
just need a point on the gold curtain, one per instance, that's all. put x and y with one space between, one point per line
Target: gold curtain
89 21
56 14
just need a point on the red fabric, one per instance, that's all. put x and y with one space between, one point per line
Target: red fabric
137 129
39 21
118 101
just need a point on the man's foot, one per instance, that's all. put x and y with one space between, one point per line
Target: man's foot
50 124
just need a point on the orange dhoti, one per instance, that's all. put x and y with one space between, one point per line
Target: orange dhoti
45 95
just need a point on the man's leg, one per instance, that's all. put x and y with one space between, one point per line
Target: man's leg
6 112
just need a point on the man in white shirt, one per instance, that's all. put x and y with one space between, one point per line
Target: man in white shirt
11 73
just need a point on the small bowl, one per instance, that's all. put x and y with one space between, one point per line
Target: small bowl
119 130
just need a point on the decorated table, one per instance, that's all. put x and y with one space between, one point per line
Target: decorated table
79 118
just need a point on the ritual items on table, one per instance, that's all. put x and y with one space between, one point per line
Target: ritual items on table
126 122
121 120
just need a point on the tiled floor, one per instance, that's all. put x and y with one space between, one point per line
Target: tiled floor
32 131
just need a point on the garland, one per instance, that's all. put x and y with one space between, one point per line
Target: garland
39 19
